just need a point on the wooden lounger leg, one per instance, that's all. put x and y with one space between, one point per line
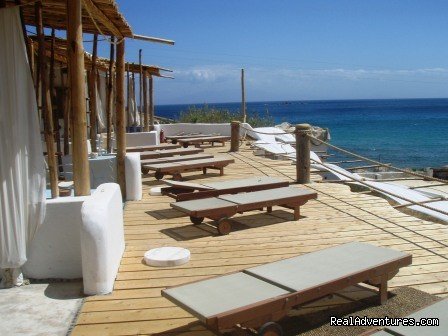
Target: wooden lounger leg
204 170
177 177
269 209
221 171
383 290
297 213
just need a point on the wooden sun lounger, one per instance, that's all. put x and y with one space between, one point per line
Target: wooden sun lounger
437 310
177 158
261 295
206 139
174 138
169 152
151 148
177 168
221 208
184 191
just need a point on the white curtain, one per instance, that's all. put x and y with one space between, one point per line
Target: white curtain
22 166
133 117
101 102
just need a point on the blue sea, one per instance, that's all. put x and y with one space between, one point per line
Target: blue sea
409 133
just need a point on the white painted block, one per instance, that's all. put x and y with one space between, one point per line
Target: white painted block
133 177
142 139
102 239
55 251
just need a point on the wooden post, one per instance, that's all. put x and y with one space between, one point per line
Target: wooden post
92 94
151 103
47 109
75 57
303 146
145 101
110 96
140 87
54 114
133 97
66 107
128 96
243 97
121 119
234 136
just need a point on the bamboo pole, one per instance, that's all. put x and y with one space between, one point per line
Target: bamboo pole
121 119
243 97
151 103
46 105
133 98
92 95
75 57
110 96
140 104
145 102
57 134
66 107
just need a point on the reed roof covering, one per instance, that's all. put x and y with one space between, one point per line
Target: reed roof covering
60 55
98 16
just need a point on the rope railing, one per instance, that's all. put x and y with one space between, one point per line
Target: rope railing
362 181
406 171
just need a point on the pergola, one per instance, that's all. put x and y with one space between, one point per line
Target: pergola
98 17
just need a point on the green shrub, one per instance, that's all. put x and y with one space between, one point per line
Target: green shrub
210 114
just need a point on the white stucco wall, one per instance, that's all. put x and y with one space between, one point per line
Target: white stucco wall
102 239
142 139
173 129
55 251
133 177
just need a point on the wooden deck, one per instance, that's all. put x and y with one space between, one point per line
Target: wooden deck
337 216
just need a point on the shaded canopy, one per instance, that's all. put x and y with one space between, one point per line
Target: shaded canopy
60 55
98 16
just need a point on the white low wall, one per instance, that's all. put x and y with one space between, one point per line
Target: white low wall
102 239
173 129
133 177
55 251
142 139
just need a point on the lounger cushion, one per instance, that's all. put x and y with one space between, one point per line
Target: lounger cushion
217 295
438 310
230 184
324 266
266 195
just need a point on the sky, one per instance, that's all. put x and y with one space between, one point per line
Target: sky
291 49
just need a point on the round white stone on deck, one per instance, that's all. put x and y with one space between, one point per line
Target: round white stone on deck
167 256
156 191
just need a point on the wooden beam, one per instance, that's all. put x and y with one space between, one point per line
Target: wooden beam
128 95
54 114
151 103
110 96
75 57
145 102
140 87
92 95
47 110
100 17
438 199
121 119
153 39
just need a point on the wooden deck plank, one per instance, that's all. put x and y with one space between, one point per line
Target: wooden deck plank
337 216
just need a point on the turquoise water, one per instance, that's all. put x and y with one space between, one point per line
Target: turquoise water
405 132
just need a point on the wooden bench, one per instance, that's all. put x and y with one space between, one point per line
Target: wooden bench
201 140
177 168
257 297
183 191
174 138
169 152
177 158
151 148
221 208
